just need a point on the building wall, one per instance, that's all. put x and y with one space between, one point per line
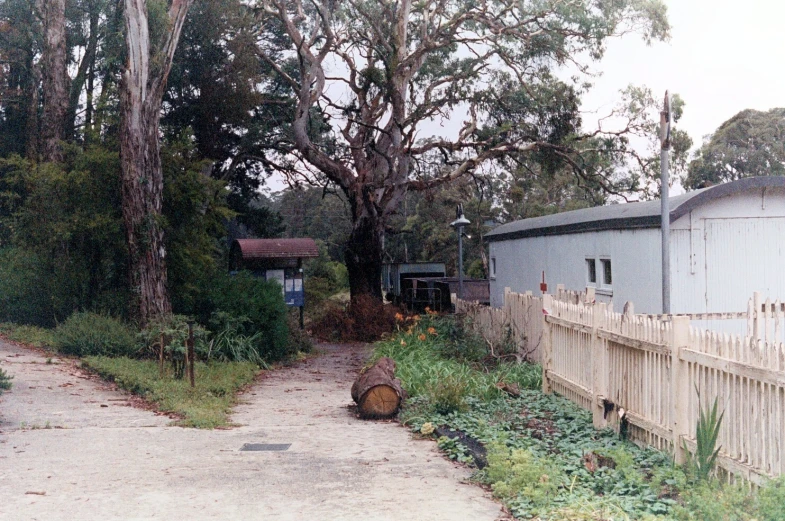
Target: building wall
725 250
721 253
634 255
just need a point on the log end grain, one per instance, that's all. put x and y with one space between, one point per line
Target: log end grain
381 401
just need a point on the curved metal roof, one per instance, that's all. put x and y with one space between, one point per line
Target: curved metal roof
276 248
644 214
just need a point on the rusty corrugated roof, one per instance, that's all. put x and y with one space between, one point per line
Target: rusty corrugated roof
277 248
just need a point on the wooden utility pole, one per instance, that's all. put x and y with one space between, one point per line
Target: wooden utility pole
665 223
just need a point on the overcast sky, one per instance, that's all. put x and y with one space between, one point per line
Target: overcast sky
723 56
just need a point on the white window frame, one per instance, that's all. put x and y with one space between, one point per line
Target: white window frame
492 269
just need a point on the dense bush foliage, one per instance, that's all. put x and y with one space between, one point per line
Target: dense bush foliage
23 288
324 278
62 244
90 334
242 305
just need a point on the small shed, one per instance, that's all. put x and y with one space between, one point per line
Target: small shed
394 274
280 260
436 292
726 242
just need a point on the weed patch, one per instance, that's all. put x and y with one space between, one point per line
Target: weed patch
205 406
545 460
5 381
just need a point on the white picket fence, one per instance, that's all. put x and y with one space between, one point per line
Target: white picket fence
649 368
519 321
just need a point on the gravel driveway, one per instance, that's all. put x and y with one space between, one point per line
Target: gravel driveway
74 448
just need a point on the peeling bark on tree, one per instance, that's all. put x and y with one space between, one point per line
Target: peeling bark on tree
143 84
55 78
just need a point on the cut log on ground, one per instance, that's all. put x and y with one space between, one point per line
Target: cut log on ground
377 392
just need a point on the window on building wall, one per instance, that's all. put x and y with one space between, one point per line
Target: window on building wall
607 272
493 267
591 271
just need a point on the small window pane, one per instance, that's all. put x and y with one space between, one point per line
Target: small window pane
606 272
493 266
591 267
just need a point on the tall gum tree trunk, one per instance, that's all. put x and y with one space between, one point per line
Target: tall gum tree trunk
55 78
142 195
363 257
142 178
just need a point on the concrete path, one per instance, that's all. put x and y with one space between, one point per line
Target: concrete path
73 448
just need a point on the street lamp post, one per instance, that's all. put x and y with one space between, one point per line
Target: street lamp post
459 222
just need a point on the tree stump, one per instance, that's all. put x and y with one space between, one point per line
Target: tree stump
377 392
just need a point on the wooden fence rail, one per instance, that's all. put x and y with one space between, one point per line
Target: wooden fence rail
649 369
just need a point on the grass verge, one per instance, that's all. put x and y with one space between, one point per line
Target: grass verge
30 335
206 406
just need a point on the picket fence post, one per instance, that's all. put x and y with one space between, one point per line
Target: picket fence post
547 347
599 365
680 387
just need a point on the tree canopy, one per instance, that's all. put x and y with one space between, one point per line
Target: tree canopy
381 74
751 143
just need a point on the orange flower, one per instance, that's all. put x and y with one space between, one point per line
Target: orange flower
421 336
416 318
403 342
432 330
398 317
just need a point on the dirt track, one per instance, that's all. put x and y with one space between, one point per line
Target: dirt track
73 448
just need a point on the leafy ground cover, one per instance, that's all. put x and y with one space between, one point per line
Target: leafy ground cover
540 454
31 335
205 406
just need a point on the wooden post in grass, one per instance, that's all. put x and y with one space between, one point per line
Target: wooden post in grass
680 387
190 353
161 356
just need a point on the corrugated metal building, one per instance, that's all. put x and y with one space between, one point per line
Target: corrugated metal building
727 241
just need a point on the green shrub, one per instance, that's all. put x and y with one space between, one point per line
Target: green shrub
771 501
299 341
174 329
251 307
88 334
518 472
447 395
5 381
710 501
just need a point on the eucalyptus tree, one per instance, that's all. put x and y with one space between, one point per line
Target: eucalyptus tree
152 31
382 75
54 74
751 143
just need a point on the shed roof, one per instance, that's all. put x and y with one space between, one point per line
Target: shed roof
277 248
644 214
